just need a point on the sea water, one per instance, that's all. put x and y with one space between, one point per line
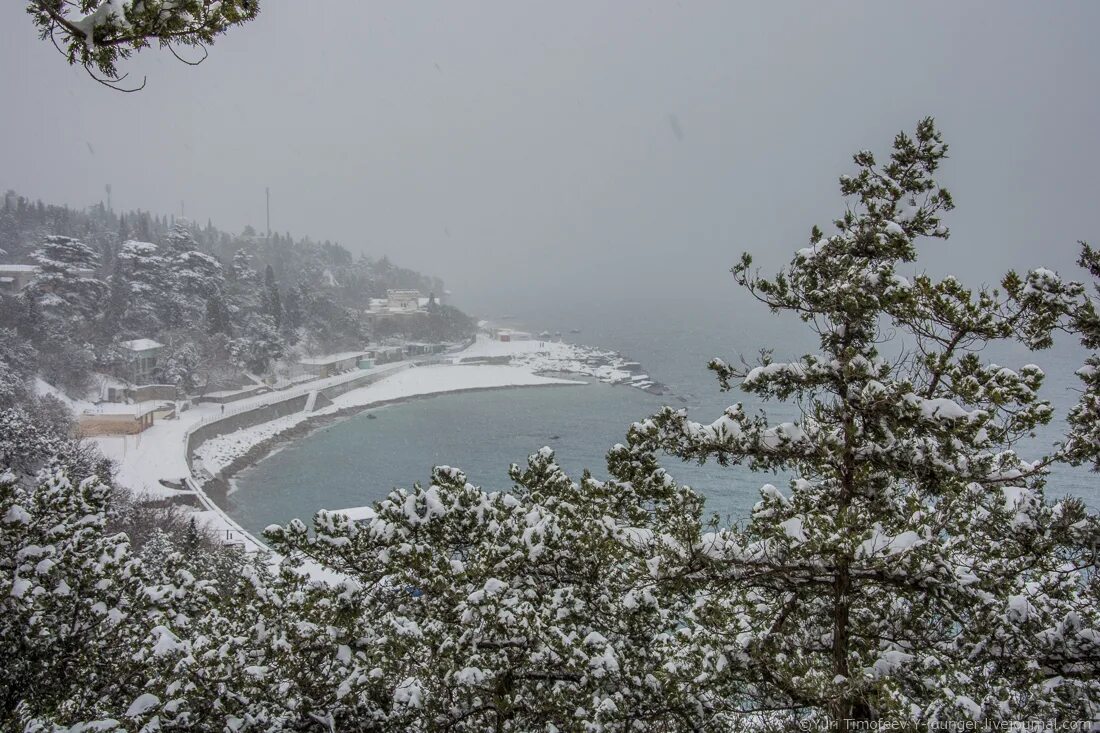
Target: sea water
359 460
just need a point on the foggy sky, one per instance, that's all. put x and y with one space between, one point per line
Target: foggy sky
582 151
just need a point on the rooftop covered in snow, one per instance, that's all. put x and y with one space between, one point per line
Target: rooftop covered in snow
141 345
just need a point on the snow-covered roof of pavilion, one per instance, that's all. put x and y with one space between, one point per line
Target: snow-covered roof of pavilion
141 345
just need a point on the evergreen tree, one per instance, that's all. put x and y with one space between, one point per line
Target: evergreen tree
271 302
118 300
144 275
217 316
526 609
66 591
908 571
65 281
292 310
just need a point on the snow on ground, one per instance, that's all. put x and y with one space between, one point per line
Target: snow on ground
439 379
219 452
488 347
557 356
42 389
156 453
160 452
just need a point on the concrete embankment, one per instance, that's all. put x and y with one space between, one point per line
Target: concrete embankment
282 408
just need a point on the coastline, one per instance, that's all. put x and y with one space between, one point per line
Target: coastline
163 464
218 487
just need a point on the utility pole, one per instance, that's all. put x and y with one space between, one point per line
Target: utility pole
108 187
181 210
267 192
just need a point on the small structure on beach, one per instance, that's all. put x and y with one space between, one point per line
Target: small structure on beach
329 364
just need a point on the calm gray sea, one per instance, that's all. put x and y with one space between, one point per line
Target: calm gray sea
357 461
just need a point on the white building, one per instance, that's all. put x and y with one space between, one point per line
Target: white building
13 278
404 300
329 364
139 360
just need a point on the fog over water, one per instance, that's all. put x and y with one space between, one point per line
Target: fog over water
598 151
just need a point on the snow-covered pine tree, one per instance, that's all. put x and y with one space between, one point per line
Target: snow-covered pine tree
74 606
61 305
194 278
118 300
99 33
526 609
66 282
179 238
142 277
257 344
272 304
909 570
241 270
1083 445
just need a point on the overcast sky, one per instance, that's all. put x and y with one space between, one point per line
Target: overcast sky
579 150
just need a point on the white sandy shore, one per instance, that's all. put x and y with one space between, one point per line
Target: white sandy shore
217 453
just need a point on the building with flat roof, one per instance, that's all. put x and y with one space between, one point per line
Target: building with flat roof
329 364
139 362
13 278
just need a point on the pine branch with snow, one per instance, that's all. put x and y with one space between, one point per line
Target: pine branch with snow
98 34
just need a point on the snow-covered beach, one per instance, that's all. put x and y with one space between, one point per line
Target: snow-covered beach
155 463
214 456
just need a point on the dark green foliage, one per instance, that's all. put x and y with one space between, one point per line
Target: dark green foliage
97 34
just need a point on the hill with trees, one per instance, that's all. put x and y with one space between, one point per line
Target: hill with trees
218 302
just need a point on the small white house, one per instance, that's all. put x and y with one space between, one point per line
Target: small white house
329 364
139 360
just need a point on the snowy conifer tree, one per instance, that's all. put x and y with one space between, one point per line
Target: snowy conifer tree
912 571
73 605
528 609
99 33
272 305
65 281
142 278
